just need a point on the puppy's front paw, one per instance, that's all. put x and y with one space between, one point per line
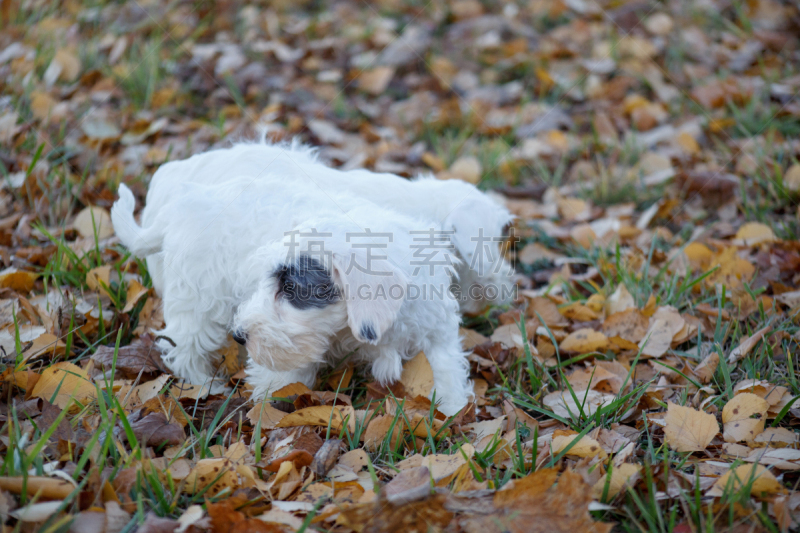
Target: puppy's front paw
387 369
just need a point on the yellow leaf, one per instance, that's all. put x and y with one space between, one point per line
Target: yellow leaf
321 415
99 278
687 429
65 381
417 376
743 417
578 312
216 473
18 280
763 482
584 340
585 447
754 233
135 292
621 476
699 255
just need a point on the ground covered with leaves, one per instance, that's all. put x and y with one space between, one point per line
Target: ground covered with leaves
645 378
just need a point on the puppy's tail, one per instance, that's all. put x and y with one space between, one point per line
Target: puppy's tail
140 241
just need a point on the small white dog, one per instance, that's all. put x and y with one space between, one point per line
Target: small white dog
298 275
475 222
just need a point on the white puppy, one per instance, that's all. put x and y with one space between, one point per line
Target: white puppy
474 220
298 276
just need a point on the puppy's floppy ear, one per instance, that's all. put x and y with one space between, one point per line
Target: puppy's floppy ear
373 290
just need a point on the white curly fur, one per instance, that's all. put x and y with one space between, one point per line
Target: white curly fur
484 277
213 250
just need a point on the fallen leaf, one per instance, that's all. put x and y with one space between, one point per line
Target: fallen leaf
687 429
63 382
743 417
760 480
94 222
155 430
754 233
747 345
621 476
664 325
321 415
18 280
584 340
417 376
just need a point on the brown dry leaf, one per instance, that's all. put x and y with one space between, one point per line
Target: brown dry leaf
622 476
743 417
630 325
420 515
63 382
417 376
93 221
141 356
155 430
268 415
747 344
375 81
321 415
754 233
687 429
584 340
326 457
664 325
534 505
707 367
548 311
378 428
761 482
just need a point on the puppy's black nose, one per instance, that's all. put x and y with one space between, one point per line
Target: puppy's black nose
239 336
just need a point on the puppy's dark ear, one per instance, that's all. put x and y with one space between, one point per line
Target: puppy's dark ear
373 290
305 283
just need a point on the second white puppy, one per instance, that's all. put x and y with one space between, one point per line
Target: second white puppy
300 278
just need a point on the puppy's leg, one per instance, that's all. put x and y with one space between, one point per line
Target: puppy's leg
451 385
387 366
197 334
266 381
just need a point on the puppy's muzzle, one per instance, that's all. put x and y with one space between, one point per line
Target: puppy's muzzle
239 336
